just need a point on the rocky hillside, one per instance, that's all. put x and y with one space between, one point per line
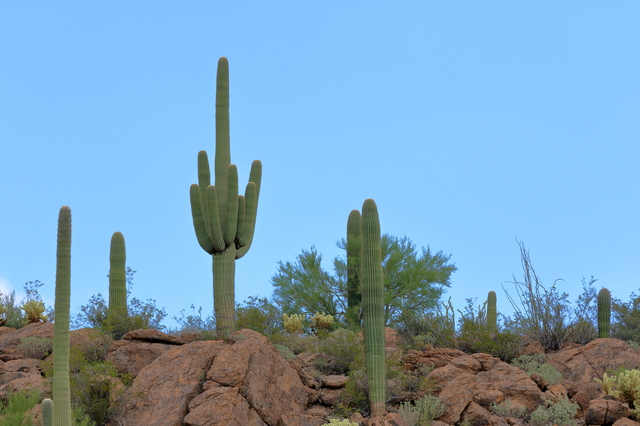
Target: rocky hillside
244 381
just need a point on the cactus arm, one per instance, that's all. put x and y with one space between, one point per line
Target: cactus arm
204 176
604 313
214 220
354 245
199 222
372 279
61 383
231 218
223 150
118 275
250 201
241 217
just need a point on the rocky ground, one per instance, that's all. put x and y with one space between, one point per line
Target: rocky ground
246 382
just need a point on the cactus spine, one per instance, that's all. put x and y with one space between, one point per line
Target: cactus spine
223 220
373 306
61 384
604 313
117 276
354 247
492 313
47 412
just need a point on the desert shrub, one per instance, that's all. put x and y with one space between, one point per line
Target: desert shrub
423 412
437 327
536 364
355 397
96 390
195 323
259 314
285 352
141 315
98 347
507 409
561 413
35 347
340 422
345 350
297 343
14 411
625 324
11 312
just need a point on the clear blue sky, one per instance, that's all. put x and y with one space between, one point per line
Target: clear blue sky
469 124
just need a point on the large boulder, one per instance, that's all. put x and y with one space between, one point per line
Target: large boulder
241 381
10 340
473 382
580 366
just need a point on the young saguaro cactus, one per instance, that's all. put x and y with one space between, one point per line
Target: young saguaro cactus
223 220
61 383
604 313
492 313
372 281
47 412
117 276
354 247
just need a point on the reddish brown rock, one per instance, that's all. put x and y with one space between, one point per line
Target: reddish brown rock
221 406
299 419
605 412
22 382
26 365
389 419
265 379
582 399
431 357
462 382
556 392
93 343
531 347
330 396
579 366
477 415
540 382
625 422
163 390
10 340
132 356
335 381
152 336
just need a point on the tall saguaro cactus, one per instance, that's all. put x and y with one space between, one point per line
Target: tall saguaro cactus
492 313
354 247
372 280
117 276
223 220
61 384
604 313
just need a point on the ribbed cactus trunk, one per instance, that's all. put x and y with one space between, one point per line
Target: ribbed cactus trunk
372 280
117 276
354 249
61 384
492 312
604 313
224 221
47 412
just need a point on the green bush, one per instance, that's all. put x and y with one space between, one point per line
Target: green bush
561 413
626 319
35 347
258 314
18 404
536 364
437 327
297 343
285 352
345 349
423 412
340 422
355 397
507 409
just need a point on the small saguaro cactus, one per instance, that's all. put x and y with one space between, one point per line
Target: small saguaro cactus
604 313
61 383
47 412
372 281
223 220
354 247
492 315
117 276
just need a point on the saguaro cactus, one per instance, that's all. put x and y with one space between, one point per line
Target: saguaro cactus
354 247
47 412
223 220
604 313
117 276
372 280
61 386
492 313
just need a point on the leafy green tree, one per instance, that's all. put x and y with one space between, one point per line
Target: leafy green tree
413 280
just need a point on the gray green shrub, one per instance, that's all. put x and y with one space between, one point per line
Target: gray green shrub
423 412
561 413
35 347
536 364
